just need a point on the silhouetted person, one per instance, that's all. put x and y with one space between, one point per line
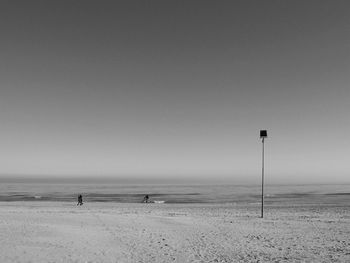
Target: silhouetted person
80 200
146 199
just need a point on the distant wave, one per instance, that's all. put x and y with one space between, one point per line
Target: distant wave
338 194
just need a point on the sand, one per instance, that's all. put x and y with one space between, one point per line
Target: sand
112 232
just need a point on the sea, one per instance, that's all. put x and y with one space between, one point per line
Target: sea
331 194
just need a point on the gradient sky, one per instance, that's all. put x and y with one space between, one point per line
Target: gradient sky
175 89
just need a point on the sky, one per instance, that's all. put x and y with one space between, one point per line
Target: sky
175 90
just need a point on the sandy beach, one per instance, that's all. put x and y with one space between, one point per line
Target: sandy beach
112 232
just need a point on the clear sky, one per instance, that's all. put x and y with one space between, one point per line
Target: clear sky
175 89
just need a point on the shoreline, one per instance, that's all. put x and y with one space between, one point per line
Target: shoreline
101 204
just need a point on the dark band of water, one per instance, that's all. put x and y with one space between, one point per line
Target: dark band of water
332 194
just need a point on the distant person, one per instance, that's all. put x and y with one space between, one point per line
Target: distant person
80 200
146 199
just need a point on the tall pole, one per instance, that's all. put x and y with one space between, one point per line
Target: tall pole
262 180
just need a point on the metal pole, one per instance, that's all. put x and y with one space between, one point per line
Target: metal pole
262 181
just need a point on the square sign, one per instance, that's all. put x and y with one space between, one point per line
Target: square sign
263 133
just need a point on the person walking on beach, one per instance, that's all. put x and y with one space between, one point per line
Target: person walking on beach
146 199
80 200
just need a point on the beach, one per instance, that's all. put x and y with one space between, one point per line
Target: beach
130 232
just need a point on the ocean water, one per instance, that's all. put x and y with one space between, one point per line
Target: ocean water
167 193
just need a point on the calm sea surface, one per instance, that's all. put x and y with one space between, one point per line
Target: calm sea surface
133 193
